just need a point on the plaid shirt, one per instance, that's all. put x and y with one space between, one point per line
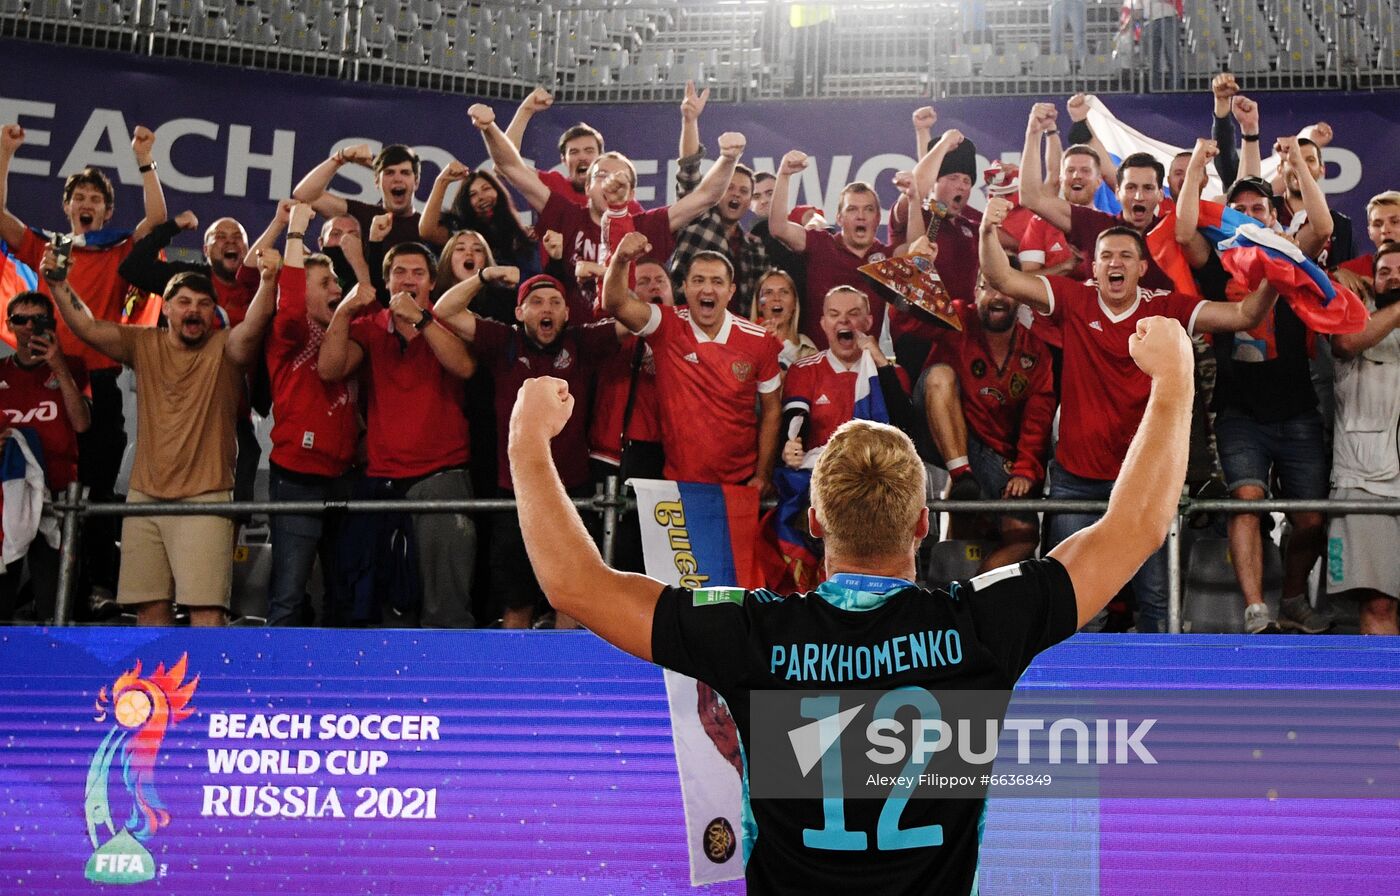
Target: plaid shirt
709 232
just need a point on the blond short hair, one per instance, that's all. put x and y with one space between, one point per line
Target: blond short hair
868 490
1389 197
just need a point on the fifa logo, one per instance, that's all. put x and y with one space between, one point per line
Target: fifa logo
141 711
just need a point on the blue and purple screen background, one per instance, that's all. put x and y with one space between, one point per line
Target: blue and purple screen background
555 771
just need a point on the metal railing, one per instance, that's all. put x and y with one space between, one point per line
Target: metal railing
645 50
610 502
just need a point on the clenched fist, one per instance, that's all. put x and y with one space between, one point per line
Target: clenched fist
11 139
269 263
1162 350
482 116
359 154
925 118
1078 107
142 142
542 407
731 145
454 171
793 162
995 213
187 220
632 247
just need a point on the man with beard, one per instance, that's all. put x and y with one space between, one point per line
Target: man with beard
592 232
953 159
579 147
1140 179
1267 423
1365 455
1292 206
98 251
717 229
315 427
189 380
1103 392
1045 248
540 344
989 397
225 244
396 170
712 367
417 435
832 259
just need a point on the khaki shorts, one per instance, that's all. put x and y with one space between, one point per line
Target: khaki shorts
185 558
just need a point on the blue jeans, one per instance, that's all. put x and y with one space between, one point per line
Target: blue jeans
1295 449
1149 583
1162 47
296 541
1071 14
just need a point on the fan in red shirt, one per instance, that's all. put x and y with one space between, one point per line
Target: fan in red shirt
88 204
711 369
821 388
417 432
989 398
542 343
315 428
41 390
579 146
1140 178
832 260
592 232
1104 392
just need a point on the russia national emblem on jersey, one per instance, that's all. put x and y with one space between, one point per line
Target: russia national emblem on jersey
564 360
742 370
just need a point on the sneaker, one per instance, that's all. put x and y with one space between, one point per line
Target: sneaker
1257 620
1296 614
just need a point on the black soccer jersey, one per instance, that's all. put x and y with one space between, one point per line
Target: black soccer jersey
874 634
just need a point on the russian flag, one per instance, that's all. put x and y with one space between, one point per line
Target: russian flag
15 277
698 535
1253 253
870 401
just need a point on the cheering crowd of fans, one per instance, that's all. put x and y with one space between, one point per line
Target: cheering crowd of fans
703 348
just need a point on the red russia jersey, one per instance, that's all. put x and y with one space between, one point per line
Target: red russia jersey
605 435
582 236
416 425
831 264
574 357
314 426
30 399
1088 223
92 274
1104 392
708 391
1045 244
1008 407
823 386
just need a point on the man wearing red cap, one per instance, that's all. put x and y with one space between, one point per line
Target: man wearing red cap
540 344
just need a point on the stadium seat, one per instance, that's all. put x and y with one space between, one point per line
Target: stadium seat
1098 65
1297 61
959 67
443 54
405 49
954 559
682 72
662 59
1054 65
102 12
978 53
297 34
592 76
54 10
1025 51
210 27
1001 66
429 13
639 75
1248 62
1211 603
375 40
403 21
252 571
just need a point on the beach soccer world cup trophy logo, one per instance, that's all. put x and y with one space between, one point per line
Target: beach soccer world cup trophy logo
141 710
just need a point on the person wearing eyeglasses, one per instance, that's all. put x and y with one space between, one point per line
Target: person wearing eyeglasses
45 392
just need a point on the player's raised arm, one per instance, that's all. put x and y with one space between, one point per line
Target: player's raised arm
616 606
1103 557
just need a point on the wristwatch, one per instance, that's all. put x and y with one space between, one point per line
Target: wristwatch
423 321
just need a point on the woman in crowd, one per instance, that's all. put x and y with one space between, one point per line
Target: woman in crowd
484 206
775 309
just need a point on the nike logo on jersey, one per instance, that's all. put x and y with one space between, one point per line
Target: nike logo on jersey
1095 325
692 358
823 399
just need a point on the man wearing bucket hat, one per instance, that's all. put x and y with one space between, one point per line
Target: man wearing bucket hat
540 344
